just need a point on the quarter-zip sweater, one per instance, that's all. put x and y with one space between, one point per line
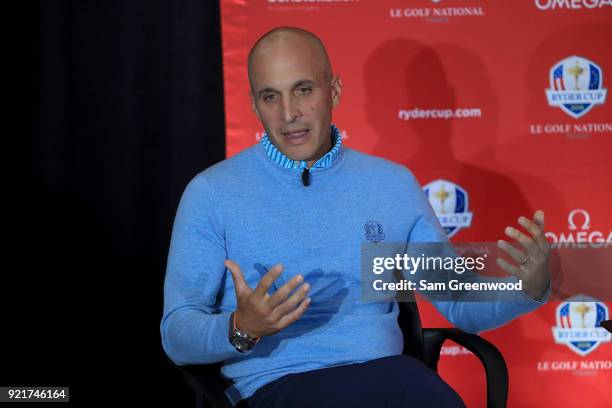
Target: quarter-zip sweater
254 209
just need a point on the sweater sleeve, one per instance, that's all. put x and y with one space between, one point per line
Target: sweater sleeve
193 331
469 316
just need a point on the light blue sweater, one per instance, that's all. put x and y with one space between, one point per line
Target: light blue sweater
253 208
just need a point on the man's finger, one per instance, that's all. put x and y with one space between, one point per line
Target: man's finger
528 243
530 226
517 235
538 218
514 253
268 279
283 292
511 269
237 276
534 229
289 318
289 305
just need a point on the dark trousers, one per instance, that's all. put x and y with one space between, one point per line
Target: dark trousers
389 382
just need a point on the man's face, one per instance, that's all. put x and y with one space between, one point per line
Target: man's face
293 96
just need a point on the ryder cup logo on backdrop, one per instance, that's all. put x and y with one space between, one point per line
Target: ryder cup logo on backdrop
579 325
450 203
576 85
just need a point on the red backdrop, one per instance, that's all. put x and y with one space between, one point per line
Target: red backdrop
467 92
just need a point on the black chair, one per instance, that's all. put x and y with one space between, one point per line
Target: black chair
423 344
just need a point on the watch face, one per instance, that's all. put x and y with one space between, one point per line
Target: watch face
240 343
243 344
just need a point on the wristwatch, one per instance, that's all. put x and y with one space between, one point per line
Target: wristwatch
239 339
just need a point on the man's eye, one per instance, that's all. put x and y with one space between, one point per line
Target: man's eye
304 90
268 98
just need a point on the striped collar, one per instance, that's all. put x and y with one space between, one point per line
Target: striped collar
279 158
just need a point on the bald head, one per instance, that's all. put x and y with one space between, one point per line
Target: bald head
284 42
293 92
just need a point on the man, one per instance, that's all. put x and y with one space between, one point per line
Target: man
264 265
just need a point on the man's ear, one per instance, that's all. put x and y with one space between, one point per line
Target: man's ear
336 84
253 106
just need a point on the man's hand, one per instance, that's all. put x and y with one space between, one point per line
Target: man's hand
259 314
532 266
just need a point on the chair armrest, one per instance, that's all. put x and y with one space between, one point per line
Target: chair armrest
207 383
492 360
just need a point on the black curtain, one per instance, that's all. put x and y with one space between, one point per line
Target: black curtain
128 107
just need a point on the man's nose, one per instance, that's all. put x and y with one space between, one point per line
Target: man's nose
291 110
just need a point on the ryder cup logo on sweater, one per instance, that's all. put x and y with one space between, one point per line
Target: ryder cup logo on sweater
579 325
450 203
374 231
576 86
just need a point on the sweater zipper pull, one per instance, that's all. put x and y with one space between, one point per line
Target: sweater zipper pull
306 177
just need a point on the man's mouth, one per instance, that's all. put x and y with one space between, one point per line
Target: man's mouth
298 136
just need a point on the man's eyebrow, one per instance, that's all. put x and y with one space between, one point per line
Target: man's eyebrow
303 82
265 90
297 84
